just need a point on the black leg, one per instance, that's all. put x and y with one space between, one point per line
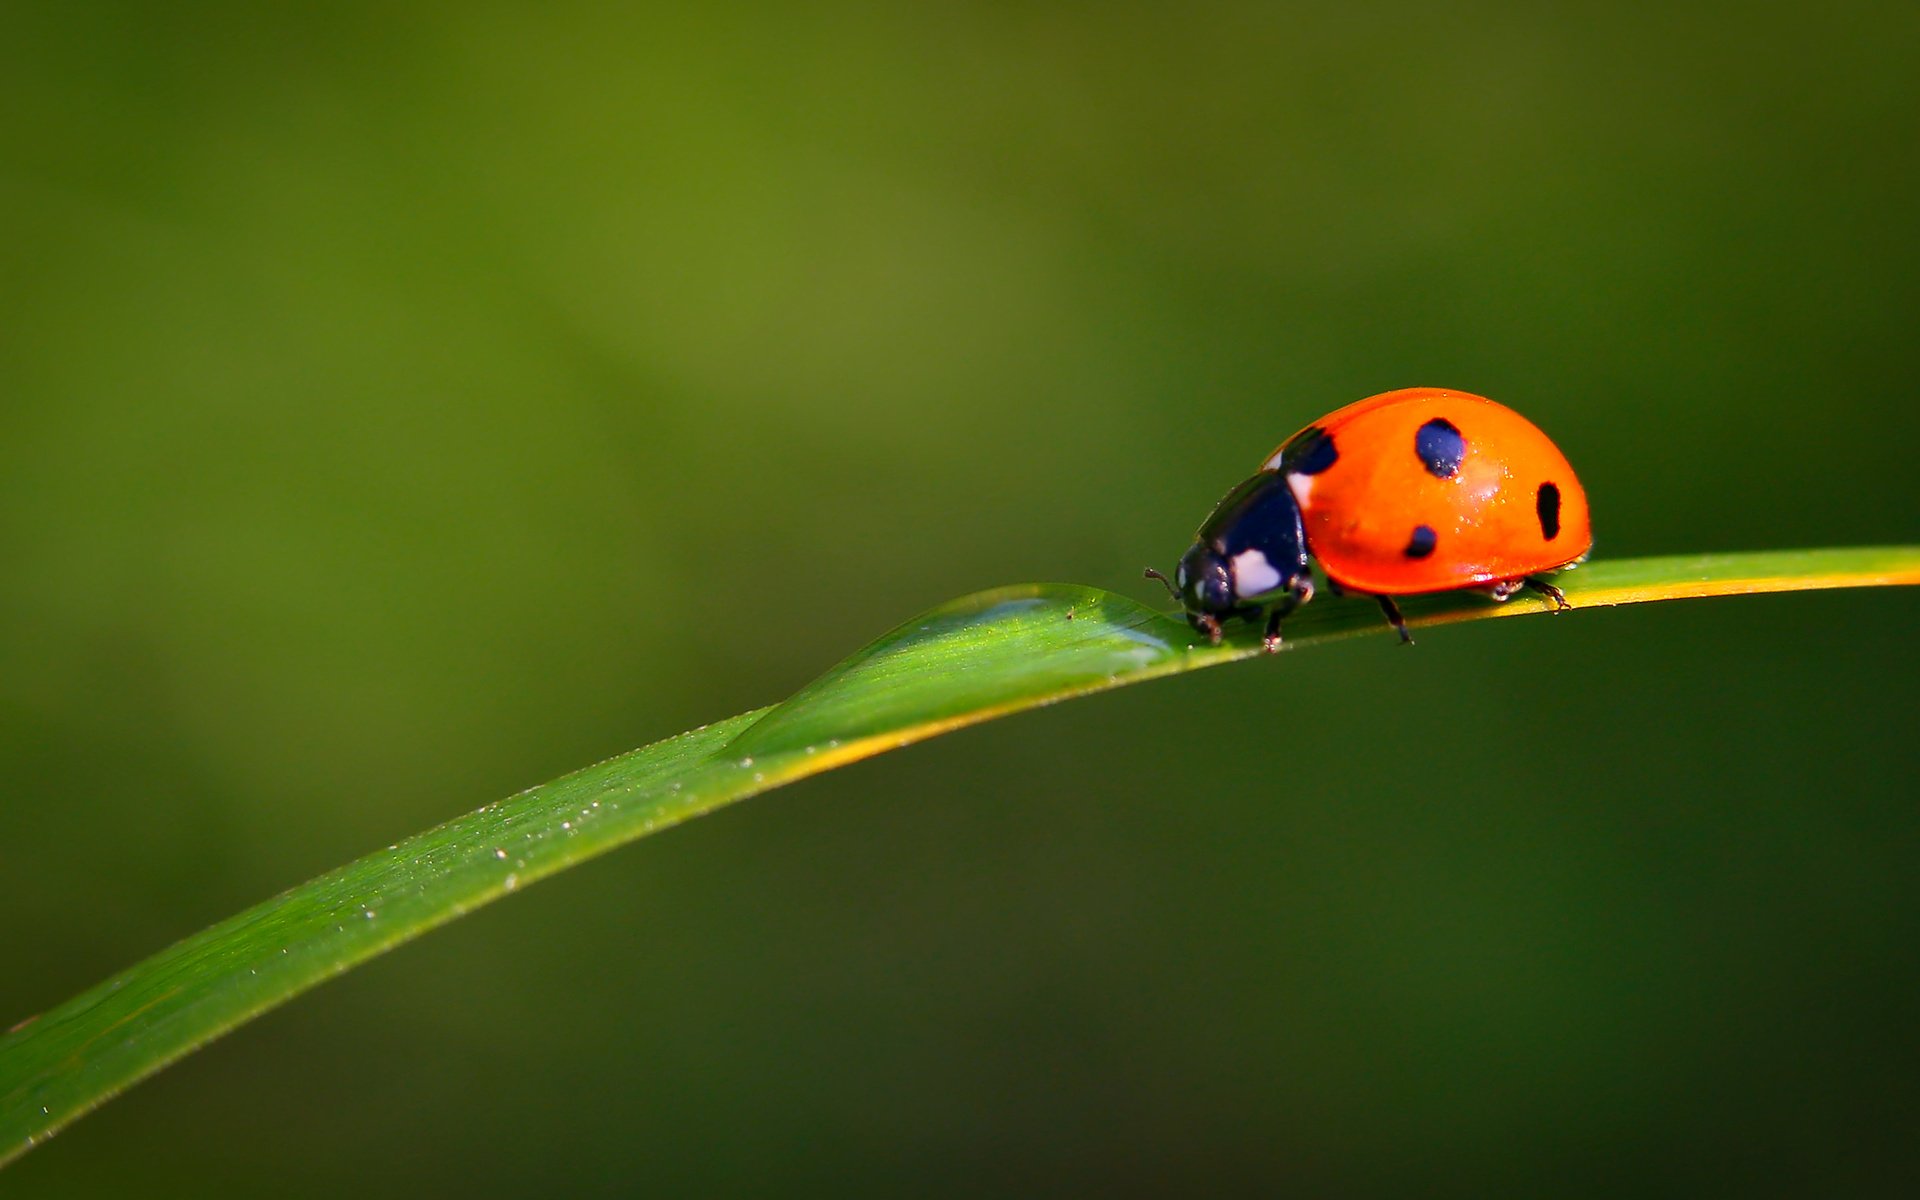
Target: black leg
1273 630
1553 594
1301 593
1392 610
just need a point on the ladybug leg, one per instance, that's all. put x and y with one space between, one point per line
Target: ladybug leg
1505 589
1555 597
1394 618
1208 624
1301 593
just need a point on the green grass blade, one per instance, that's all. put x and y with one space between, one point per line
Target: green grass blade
976 658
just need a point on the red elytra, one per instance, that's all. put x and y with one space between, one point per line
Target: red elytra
1429 489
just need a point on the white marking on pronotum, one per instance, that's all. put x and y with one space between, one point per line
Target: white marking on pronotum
1273 464
1253 575
1302 486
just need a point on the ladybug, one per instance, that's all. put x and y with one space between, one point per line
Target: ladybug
1417 490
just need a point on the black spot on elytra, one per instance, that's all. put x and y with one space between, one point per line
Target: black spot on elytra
1547 504
1422 542
1440 447
1310 453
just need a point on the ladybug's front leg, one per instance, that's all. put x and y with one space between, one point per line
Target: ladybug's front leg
1206 623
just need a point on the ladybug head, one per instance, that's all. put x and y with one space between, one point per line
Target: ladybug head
1203 585
1204 582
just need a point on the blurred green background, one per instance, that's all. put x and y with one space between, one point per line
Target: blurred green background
403 404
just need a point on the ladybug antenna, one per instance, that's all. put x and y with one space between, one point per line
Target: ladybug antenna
1171 590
